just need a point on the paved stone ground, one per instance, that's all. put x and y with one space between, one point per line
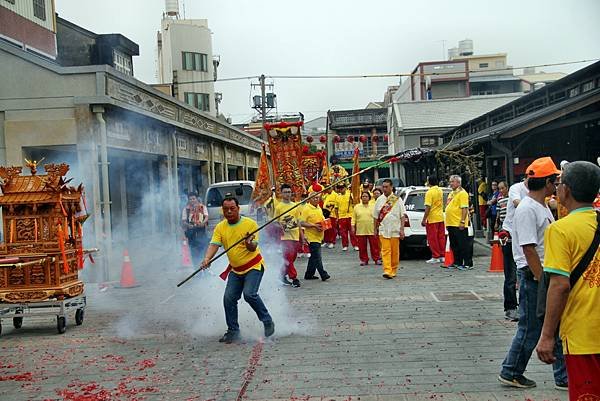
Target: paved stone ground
355 337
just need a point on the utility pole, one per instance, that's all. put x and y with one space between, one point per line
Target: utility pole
263 105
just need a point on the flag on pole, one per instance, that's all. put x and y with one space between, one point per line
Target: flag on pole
325 179
262 186
355 186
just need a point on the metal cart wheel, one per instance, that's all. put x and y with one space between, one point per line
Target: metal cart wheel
18 322
61 324
79 313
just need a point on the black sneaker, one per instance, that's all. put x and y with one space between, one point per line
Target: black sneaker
386 276
562 386
296 283
230 337
326 277
311 278
269 329
518 382
285 281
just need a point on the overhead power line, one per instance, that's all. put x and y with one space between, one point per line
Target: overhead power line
392 75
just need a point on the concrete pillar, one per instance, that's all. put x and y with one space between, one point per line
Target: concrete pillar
245 165
123 196
106 219
211 164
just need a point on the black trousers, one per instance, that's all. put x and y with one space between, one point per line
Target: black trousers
510 278
315 263
459 243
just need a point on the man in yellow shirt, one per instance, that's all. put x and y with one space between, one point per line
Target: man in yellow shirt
312 219
574 305
344 214
433 220
457 210
245 270
482 191
291 234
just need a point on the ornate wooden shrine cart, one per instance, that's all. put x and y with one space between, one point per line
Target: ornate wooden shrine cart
41 251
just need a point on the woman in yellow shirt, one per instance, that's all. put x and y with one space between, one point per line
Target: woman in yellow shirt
363 227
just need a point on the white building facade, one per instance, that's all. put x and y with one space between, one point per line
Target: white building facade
185 59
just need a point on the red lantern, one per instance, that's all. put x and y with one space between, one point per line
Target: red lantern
305 149
375 138
350 138
309 139
337 139
323 139
386 137
363 138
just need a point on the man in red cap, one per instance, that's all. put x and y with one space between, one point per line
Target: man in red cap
531 219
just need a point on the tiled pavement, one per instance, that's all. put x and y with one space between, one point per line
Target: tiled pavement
355 337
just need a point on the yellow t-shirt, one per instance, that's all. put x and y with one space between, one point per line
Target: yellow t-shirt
457 201
482 190
313 215
434 198
565 243
362 217
289 220
226 234
344 205
330 203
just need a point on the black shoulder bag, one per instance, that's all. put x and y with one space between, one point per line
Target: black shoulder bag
575 274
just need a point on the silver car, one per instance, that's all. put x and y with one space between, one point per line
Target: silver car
415 235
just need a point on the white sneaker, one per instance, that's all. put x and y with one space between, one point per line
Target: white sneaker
356 248
330 246
432 261
307 255
345 248
323 244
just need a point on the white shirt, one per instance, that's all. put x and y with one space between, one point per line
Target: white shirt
390 226
518 192
530 221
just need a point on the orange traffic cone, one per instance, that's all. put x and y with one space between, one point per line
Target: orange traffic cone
186 259
497 261
448 256
127 279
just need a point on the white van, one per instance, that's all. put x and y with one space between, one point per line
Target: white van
215 194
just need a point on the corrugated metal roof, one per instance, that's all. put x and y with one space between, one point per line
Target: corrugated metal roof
448 112
506 126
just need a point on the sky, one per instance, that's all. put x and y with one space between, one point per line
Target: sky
347 37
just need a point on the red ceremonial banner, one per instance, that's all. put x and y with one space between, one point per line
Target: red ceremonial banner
262 186
285 144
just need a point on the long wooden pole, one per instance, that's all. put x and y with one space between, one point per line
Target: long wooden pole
404 155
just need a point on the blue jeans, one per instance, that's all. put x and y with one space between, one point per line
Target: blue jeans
528 333
247 284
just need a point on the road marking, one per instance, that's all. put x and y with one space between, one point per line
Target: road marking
167 300
478 297
434 297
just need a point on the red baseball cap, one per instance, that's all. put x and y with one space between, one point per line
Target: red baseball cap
542 167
